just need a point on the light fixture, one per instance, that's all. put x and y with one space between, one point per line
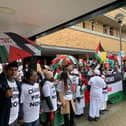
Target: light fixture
119 17
7 10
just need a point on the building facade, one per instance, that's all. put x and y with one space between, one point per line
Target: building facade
85 36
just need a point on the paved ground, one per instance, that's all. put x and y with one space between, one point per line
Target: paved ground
116 116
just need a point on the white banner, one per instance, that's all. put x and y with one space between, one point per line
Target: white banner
115 87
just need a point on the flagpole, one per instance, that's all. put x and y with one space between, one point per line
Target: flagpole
119 18
120 34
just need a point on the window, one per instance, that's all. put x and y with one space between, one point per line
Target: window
111 31
92 25
83 24
105 29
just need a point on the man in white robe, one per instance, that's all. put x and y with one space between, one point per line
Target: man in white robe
97 84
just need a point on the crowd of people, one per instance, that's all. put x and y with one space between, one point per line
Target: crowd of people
31 97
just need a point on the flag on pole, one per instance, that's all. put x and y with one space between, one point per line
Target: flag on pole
99 51
103 56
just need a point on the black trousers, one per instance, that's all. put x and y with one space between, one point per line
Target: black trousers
69 118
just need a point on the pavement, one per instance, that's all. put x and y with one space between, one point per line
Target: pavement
116 116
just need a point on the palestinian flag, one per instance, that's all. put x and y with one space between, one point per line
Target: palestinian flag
99 51
14 47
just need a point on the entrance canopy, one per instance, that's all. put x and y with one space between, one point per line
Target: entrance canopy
31 18
53 51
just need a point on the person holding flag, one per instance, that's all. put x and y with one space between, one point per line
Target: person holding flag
99 50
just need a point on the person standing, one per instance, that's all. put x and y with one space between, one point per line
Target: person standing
105 97
97 84
49 103
74 77
65 93
10 91
80 100
1 68
30 99
124 81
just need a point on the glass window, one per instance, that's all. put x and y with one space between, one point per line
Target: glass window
92 25
83 24
105 29
111 31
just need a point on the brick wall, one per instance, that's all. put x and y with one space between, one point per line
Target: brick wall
99 27
77 39
113 13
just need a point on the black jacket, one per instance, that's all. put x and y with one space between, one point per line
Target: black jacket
5 103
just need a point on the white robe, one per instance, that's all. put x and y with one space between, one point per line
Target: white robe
104 99
96 95
80 105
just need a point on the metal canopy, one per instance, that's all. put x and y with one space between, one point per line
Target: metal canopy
53 51
31 18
